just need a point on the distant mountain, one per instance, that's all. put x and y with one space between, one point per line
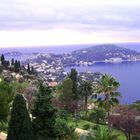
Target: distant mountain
104 52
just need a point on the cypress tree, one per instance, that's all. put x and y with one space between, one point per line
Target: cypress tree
16 66
75 95
32 70
2 60
12 62
44 115
20 127
19 65
73 77
29 69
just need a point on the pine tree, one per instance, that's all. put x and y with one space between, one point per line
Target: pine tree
44 115
20 127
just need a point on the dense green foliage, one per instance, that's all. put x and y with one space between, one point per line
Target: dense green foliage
6 97
20 127
97 115
85 90
66 96
44 115
106 87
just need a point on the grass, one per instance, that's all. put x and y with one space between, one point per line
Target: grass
82 123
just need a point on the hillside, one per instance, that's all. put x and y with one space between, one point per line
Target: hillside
103 52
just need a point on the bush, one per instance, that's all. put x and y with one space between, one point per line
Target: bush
64 131
63 114
136 138
97 116
86 126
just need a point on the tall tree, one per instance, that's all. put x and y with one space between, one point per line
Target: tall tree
107 89
66 96
75 94
44 115
16 66
12 62
20 127
19 65
32 70
2 60
28 69
85 90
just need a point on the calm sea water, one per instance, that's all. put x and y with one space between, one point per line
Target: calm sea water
127 73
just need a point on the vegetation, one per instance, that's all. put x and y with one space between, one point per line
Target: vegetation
66 96
20 127
106 87
103 135
44 115
75 94
85 90
125 121
59 113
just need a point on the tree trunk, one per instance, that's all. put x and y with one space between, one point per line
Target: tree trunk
86 106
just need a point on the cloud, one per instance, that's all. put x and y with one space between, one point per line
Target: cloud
41 22
83 15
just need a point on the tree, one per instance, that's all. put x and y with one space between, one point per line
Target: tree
19 65
106 87
32 70
124 118
75 95
85 90
66 96
6 97
20 127
97 115
44 115
64 131
28 69
73 77
2 60
16 66
4 109
12 62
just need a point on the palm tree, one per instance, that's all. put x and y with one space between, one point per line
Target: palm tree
106 88
85 90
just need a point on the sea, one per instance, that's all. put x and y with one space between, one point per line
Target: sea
126 73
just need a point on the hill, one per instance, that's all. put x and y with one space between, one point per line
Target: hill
105 52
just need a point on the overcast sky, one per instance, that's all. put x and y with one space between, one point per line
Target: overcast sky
56 22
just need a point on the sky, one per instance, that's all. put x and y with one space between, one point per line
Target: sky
60 22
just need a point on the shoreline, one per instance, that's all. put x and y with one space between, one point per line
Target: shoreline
96 62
